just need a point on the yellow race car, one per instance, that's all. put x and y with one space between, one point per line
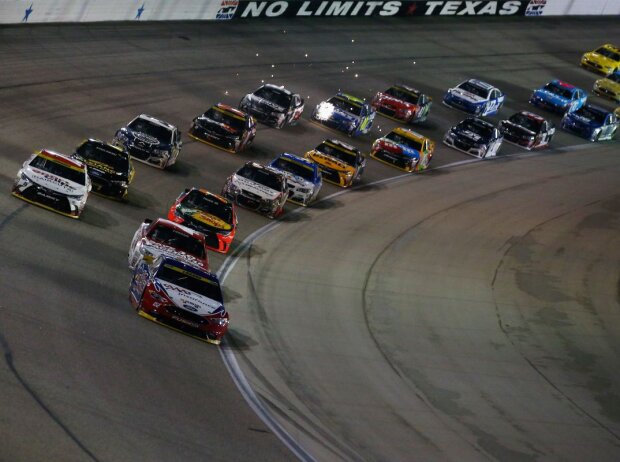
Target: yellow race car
340 163
605 59
609 87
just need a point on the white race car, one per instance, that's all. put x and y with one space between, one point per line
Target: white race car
475 97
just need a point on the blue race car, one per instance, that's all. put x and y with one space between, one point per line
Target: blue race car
302 176
345 113
475 97
592 122
559 96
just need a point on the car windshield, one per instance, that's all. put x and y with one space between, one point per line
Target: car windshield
477 126
275 96
330 149
608 53
556 89
296 168
104 154
190 281
177 239
161 133
196 200
529 123
222 118
352 108
592 113
403 95
74 174
398 139
475 89
262 176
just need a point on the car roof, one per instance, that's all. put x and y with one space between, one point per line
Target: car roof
410 134
156 121
62 159
109 147
230 111
210 194
480 83
177 226
563 84
165 259
531 115
350 98
277 88
299 160
342 145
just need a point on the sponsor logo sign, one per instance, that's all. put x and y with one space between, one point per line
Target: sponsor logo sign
227 9
535 8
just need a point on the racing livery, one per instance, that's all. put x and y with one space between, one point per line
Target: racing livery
303 177
258 188
404 149
475 97
165 237
345 113
109 167
402 103
475 137
53 181
273 105
559 96
528 130
150 140
224 127
339 162
591 122
605 59
189 299
212 215
609 87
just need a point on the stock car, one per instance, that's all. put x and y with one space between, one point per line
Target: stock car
224 127
605 59
404 149
475 137
527 129
53 181
150 140
302 176
475 97
208 213
559 96
257 187
339 162
402 103
591 122
165 237
273 105
189 299
109 167
609 87
345 113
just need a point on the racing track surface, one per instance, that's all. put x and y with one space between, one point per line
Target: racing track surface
471 312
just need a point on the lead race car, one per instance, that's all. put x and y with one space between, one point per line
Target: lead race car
475 97
340 163
605 59
165 237
403 103
273 105
404 149
475 137
528 130
303 177
181 296
224 127
53 181
150 140
345 113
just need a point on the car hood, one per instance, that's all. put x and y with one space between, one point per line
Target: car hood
264 104
339 115
54 182
552 98
296 180
157 248
209 220
145 138
330 161
103 169
465 95
191 301
472 136
221 129
516 129
254 187
578 119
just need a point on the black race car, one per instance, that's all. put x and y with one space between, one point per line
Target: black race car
224 127
273 105
528 130
475 137
109 167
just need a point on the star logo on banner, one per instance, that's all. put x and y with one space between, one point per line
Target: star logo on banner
139 13
27 13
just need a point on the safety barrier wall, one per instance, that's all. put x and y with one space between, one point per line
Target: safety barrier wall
36 11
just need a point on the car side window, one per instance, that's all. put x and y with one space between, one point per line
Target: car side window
494 94
577 95
422 100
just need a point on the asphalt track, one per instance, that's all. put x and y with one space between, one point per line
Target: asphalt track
469 313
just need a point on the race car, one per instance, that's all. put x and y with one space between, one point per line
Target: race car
404 149
165 237
172 293
224 127
339 162
528 130
605 59
609 87
150 140
53 181
475 137
109 167
402 103
212 215
302 176
258 188
273 105
591 122
345 113
559 96
475 97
